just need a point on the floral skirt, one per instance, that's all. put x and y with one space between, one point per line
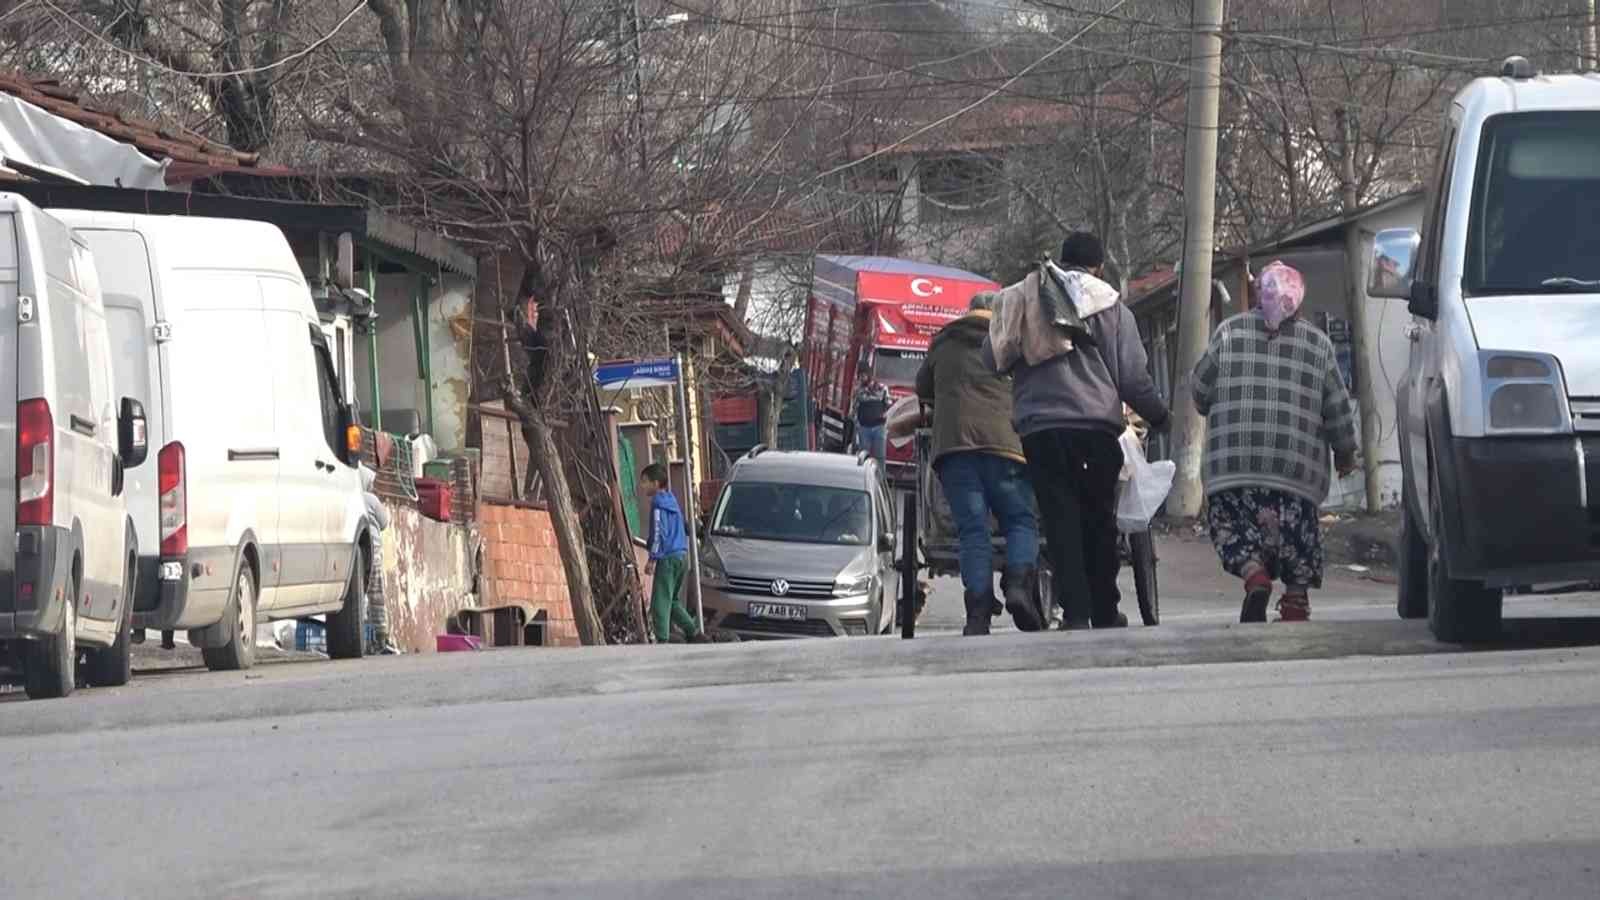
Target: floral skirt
1274 528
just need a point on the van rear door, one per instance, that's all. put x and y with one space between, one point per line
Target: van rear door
9 283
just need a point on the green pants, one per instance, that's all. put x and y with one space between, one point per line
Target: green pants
665 607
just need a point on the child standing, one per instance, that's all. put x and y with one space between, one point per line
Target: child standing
669 555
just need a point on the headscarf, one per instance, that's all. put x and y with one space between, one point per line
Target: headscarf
1281 291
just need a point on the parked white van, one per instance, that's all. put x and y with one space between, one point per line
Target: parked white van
252 507
67 559
1499 408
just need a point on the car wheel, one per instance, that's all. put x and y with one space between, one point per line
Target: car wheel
1458 611
50 665
113 666
1412 594
345 631
239 624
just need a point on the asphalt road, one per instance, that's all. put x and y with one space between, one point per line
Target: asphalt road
1347 758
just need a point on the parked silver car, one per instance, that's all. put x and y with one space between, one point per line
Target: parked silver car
800 545
1499 407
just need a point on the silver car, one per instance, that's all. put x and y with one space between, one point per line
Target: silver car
800 545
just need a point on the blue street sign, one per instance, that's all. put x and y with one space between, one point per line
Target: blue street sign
642 373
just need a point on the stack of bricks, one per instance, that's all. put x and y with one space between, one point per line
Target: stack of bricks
521 565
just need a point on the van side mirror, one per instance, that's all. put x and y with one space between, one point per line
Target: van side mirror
886 543
1394 257
133 434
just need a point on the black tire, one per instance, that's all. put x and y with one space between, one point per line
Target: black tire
346 638
1044 594
239 624
1459 612
1411 596
50 666
907 612
113 666
1142 553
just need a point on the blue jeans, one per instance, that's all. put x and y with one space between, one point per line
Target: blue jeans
874 439
976 484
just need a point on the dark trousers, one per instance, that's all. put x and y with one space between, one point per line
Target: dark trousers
1074 474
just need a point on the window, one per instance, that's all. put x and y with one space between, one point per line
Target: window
328 392
961 188
1427 268
801 513
1535 217
897 368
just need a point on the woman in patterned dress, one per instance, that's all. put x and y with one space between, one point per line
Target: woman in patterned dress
1275 404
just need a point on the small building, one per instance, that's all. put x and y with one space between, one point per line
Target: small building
1319 251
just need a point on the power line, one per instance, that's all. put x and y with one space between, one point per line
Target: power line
236 73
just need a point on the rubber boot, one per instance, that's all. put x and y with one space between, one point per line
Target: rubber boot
978 607
1019 589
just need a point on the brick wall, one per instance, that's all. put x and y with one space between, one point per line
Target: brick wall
521 565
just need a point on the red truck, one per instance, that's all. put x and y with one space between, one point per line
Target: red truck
875 315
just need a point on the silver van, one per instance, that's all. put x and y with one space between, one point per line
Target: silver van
67 440
1499 407
800 545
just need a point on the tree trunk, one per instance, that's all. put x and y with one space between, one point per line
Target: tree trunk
1356 304
775 395
564 520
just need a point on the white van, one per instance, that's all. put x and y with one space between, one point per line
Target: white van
66 565
1499 408
252 507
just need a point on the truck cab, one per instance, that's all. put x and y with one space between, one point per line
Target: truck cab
1499 407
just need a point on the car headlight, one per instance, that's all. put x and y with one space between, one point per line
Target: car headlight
711 571
1525 394
854 585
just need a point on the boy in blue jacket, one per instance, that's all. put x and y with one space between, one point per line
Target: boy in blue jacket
669 557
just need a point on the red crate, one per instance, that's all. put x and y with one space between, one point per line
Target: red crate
434 498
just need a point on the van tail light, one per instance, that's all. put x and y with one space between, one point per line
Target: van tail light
174 501
36 464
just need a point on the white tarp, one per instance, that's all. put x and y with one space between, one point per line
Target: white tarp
38 138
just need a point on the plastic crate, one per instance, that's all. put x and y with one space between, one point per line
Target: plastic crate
310 637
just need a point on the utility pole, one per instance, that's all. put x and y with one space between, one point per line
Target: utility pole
1356 308
1199 200
1589 39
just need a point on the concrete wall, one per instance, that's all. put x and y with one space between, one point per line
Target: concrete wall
428 574
400 383
522 566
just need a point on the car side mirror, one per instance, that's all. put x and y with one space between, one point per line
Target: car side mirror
1394 257
133 434
886 543
1423 301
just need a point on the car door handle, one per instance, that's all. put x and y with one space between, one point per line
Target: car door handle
265 454
83 426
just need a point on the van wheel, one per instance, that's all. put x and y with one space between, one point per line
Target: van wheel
1458 611
239 624
1412 595
50 666
345 631
113 666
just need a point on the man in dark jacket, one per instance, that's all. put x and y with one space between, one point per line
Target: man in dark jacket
871 414
978 457
1069 411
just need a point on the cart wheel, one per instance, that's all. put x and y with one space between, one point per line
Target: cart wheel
908 568
1142 549
1044 596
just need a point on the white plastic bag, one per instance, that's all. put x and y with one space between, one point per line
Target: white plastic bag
1145 485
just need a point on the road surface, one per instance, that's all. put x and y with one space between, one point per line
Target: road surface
1343 758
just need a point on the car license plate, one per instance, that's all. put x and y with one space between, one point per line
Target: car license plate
784 611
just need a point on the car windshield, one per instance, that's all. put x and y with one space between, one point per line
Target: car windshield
798 513
1535 222
897 368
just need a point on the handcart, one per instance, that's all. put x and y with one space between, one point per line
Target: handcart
928 542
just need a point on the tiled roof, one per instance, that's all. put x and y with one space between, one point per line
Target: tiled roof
191 155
